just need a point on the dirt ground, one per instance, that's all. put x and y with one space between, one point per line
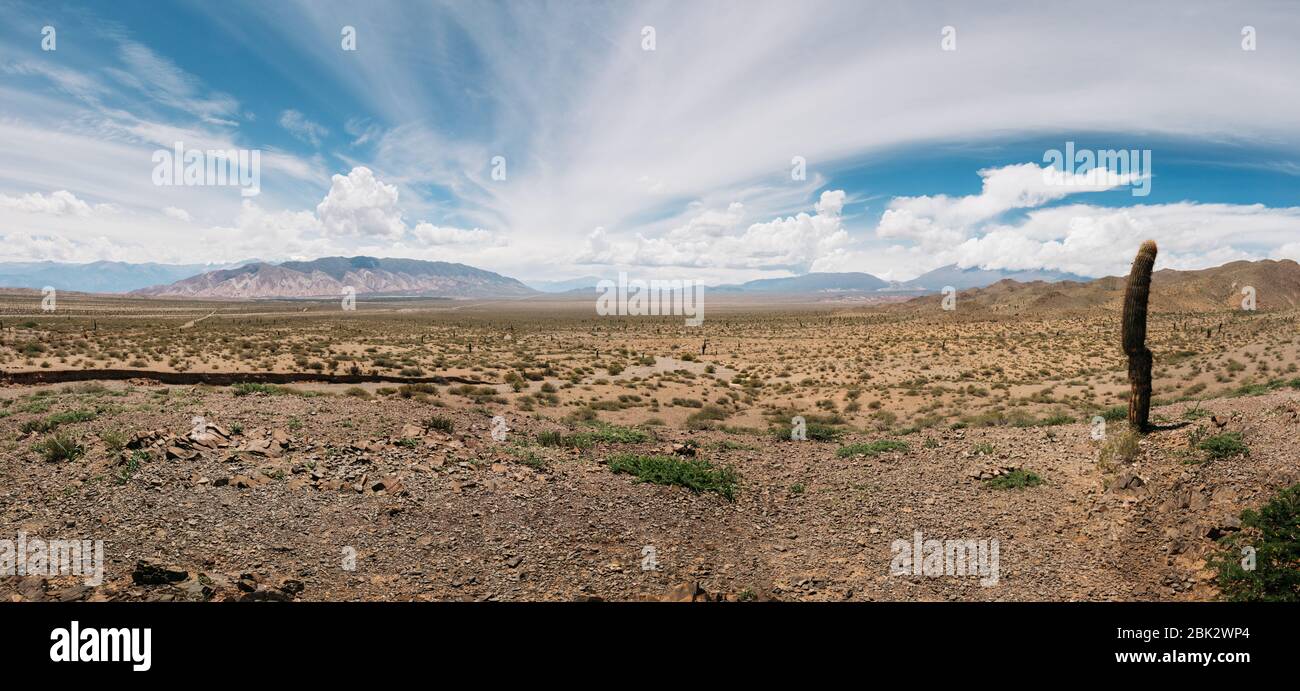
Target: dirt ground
385 492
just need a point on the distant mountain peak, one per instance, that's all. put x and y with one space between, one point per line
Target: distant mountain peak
330 276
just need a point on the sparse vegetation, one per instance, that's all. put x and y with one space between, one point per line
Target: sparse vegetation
1261 563
440 423
60 447
1016 479
1225 445
695 474
873 448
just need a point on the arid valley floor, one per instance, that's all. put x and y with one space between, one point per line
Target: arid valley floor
918 419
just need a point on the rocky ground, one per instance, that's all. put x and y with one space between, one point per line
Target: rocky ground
342 498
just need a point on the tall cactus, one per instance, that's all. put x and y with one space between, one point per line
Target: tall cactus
1135 337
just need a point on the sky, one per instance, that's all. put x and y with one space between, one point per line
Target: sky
719 140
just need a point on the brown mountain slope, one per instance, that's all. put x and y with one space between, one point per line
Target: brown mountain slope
1276 286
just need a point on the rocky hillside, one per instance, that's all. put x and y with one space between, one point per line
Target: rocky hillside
328 277
1276 284
377 500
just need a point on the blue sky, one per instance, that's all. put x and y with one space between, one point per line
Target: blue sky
672 162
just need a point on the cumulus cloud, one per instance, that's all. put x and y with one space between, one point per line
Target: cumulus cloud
60 203
299 126
176 213
359 204
941 221
430 234
1097 241
597 249
24 246
718 239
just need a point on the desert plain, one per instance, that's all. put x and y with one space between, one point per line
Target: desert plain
530 449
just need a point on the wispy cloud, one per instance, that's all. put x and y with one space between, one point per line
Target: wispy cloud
300 127
678 158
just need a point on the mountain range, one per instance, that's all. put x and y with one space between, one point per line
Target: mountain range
929 282
1275 284
102 276
331 276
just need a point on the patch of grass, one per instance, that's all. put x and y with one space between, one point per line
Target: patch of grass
871 448
114 440
614 434
52 422
529 457
560 439
1016 479
982 449
1120 449
1273 533
90 387
245 389
1225 445
440 423
695 474
706 416
60 447
728 445
417 390
1115 414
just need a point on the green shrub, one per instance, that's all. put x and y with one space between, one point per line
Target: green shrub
1273 533
559 439
1117 413
1225 445
695 474
614 434
440 423
52 422
1016 479
871 448
1120 448
60 447
245 388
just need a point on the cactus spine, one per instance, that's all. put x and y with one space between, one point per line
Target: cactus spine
1135 337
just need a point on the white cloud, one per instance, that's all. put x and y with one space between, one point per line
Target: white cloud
1098 241
715 239
359 204
176 213
942 221
171 86
299 126
446 235
60 203
598 250
362 130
